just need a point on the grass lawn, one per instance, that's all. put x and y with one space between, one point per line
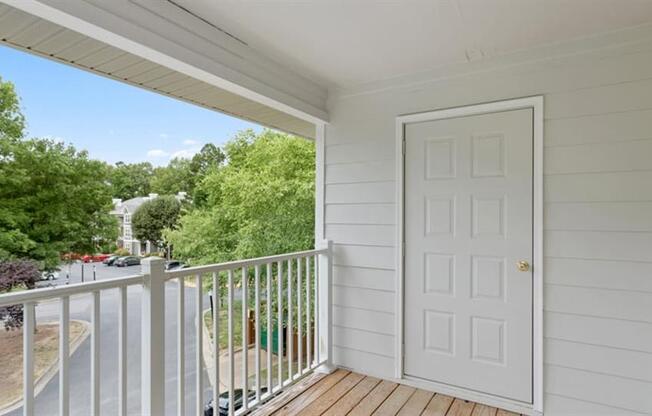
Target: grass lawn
46 351
224 329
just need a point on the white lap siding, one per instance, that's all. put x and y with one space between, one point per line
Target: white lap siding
597 221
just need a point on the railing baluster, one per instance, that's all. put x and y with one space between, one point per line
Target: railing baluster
279 329
245 341
317 278
230 343
29 318
299 319
311 309
216 340
290 330
308 330
64 354
122 351
199 380
257 329
268 293
95 354
181 347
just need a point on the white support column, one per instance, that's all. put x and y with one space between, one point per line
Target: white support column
320 173
325 308
153 337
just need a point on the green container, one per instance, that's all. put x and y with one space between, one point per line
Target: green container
263 339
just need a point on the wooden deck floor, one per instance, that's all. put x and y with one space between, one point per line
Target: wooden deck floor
347 393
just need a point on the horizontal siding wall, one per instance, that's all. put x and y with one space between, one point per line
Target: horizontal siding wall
597 221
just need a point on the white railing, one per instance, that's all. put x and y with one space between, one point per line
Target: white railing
295 295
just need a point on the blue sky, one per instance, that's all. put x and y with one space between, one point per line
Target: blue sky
112 120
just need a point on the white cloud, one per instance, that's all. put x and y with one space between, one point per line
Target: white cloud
185 153
157 153
163 135
190 142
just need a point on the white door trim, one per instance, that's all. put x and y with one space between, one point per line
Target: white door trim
536 104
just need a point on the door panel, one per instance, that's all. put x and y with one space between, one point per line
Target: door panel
468 222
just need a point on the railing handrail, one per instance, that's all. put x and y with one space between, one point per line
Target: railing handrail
47 293
237 264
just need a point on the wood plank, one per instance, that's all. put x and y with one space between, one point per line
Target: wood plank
484 410
374 399
332 396
312 394
288 395
353 397
438 406
417 403
460 408
395 401
502 412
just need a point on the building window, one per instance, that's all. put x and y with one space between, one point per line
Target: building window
127 218
127 232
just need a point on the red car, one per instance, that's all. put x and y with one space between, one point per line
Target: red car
94 258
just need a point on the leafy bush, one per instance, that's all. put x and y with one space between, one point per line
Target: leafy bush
121 252
16 275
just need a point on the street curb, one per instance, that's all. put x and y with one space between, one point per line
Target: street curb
53 368
207 350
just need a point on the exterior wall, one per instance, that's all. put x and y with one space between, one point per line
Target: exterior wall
597 221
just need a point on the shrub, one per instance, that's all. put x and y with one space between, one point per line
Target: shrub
16 275
121 252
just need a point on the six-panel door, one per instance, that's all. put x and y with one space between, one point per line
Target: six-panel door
468 223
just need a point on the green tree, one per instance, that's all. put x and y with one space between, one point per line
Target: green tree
12 121
259 203
129 180
53 199
209 158
174 178
152 217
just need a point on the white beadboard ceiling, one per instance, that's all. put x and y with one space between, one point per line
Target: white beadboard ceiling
38 36
349 43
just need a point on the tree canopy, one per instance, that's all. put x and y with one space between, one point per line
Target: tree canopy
53 198
154 216
260 202
174 178
12 121
129 180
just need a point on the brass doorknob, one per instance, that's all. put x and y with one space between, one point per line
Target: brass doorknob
523 266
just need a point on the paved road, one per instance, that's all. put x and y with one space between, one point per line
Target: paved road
47 400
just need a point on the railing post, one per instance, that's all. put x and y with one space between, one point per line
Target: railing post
324 282
153 337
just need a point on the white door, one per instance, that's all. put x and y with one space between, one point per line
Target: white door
468 224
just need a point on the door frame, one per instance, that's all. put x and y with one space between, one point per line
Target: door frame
536 104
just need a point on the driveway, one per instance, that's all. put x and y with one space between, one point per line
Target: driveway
80 308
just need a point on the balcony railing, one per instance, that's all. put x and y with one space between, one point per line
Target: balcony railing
291 289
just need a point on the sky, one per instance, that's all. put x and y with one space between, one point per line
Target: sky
111 120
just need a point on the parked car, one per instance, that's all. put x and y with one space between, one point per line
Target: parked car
88 258
224 402
50 274
174 264
127 261
110 261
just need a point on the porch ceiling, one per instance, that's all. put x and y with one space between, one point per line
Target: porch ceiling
35 35
347 44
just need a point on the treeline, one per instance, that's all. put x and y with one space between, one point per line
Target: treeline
252 197
130 180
